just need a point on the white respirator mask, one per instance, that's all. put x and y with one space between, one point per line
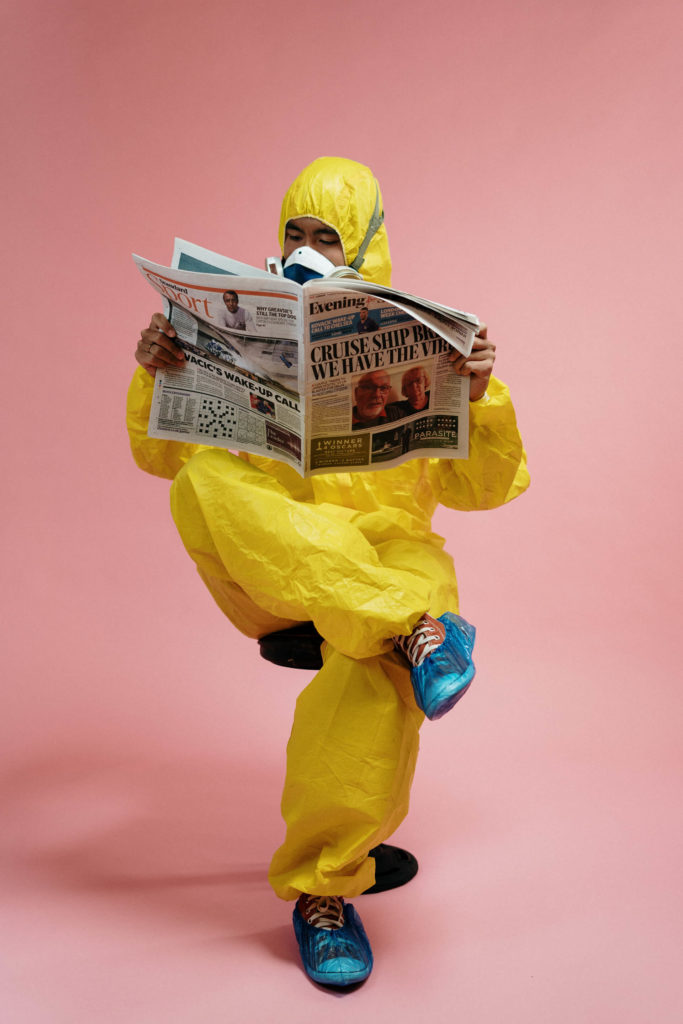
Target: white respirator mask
305 264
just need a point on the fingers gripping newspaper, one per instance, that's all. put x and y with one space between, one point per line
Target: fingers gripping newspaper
333 375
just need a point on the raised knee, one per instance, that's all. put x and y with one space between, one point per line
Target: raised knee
203 467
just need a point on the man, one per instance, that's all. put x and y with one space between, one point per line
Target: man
364 323
415 390
354 553
234 316
371 394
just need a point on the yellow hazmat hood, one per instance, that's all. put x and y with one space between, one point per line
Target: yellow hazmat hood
346 196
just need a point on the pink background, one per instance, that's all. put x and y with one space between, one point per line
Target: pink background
530 159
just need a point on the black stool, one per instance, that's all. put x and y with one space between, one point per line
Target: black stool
296 647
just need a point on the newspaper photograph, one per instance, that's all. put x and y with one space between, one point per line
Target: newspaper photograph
332 375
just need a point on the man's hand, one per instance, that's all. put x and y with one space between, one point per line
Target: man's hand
478 365
155 348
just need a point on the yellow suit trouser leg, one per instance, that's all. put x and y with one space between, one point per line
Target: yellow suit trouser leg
350 764
270 560
292 559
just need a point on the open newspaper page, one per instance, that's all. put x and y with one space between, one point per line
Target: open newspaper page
380 388
340 374
241 383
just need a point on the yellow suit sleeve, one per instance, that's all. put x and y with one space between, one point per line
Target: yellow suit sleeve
495 472
154 455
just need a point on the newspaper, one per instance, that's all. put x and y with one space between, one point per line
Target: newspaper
333 375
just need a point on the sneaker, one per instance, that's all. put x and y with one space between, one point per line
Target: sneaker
427 635
332 941
440 653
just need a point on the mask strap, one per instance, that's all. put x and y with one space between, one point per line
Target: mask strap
375 224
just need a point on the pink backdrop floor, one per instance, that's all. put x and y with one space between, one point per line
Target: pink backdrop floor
530 160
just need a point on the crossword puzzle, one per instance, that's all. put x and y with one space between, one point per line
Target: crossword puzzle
219 419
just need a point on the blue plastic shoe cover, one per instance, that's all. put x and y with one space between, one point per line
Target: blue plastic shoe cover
441 680
339 957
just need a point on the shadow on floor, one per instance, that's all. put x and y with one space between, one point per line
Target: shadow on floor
188 842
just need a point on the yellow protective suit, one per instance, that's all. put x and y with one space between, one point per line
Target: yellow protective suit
355 553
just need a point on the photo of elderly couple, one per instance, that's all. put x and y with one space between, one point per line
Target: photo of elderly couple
376 400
